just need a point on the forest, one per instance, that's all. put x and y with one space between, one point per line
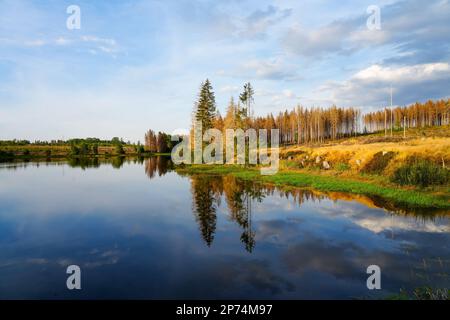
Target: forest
315 124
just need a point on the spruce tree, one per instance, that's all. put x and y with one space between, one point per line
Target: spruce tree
206 106
246 98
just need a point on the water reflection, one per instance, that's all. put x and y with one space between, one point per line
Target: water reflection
240 196
161 235
157 165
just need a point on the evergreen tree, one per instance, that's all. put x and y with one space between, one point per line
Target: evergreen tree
205 107
246 98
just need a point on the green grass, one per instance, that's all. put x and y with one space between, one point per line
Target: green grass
408 198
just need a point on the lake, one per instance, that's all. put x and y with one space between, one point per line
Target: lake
137 229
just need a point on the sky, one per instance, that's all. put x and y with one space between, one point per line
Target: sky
138 65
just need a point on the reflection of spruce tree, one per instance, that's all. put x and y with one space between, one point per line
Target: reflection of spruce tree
204 207
248 235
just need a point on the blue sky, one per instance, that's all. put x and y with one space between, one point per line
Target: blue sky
136 65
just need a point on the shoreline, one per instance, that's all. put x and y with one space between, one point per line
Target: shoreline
405 197
373 186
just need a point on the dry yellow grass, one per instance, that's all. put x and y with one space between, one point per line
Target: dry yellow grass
356 155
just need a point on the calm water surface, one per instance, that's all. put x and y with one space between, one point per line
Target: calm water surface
139 230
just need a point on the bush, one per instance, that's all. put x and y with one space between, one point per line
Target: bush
421 173
6 154
84 149
119 149
95 149
378 163
74 150
342 166
292 164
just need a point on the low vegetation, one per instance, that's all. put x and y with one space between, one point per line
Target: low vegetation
422 293
423 173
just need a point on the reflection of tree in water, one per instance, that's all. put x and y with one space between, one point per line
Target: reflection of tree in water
117 162
157 165
239 195
95 162
207 192
153 165
83 162
205 202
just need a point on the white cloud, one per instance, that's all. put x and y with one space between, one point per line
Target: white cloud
370 86
415 73
256 25
95 39
406 27
272 69
317 42
63 41
35 43
93 43
229 89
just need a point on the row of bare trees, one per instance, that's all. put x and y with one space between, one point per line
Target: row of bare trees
160 142
307 125
315 125
430 113
300 125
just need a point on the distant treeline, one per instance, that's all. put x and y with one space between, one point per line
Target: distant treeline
76 141
79 147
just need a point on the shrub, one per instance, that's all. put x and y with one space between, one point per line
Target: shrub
95 149
421 173
84 149
6 154
139 149
119 149
292 164
74 150
342 166
378 163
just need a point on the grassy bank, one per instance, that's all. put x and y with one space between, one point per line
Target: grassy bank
328 183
